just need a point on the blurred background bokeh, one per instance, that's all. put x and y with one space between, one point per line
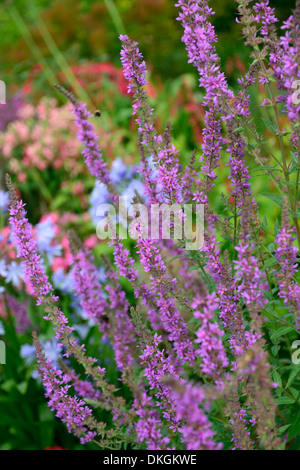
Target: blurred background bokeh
35 35
77 45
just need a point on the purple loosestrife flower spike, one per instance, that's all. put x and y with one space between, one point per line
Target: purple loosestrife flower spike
194 426
230 314
164 186
248 275
209 336
84 388
91 150
41 288
27 250
240 424
290 48
125 265
156 366
71 410
286 255
199 36
162 284
134 69
99 308
19 310
264 15
87 136
123 331
88 288
148 427
26 244
249 280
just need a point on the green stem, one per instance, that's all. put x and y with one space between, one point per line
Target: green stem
283 153
297 177
31 44
115 16
234 236
59 58
284 322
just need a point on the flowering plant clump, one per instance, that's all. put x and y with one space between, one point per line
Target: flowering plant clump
204 338
42 132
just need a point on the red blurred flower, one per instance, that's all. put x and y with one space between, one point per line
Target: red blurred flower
55 448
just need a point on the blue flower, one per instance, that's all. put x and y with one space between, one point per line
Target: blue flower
3 268
2 330
118 171
125 177
50 348
99 196
133 187
121 173
101 274
75 305
82 330
63 281
4 200
14 273
28 353
45 236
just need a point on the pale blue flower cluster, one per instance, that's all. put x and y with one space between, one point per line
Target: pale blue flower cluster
4 200
51 349
127 182
11 272
65 282
45 236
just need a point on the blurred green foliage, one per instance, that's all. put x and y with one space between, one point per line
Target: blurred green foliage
87 30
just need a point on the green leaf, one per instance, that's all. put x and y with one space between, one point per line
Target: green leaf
267 167
59 201
271 126
276 227
295 372
284 401
283 429
281 331
265 222
277 378
8 385
295 159
275 349
288 183
294 430
270 261
274 197
294 392
193 268
6 446
22 387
